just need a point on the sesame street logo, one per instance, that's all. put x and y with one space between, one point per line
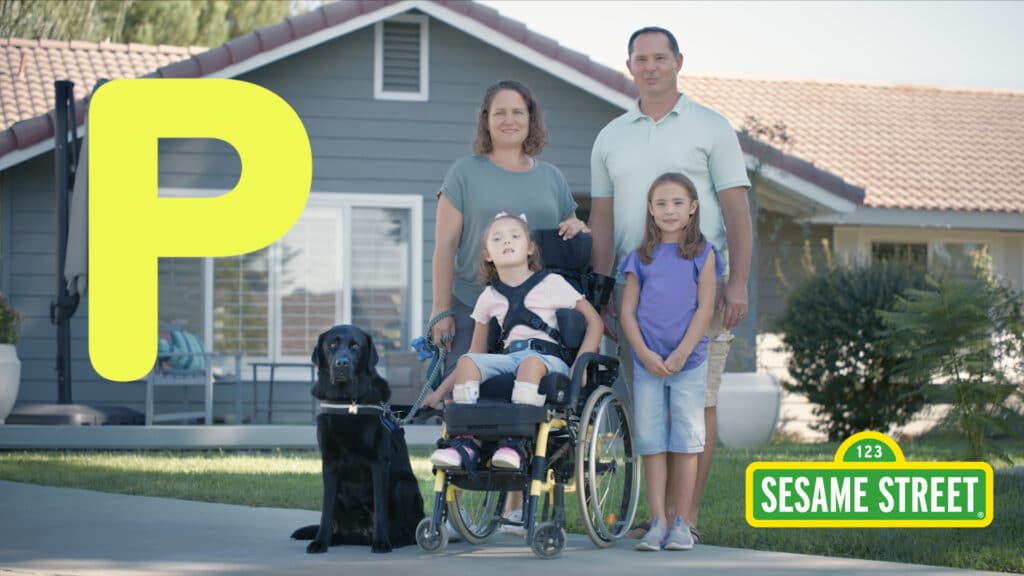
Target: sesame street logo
869 484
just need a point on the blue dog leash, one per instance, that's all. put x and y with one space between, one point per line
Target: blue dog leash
426 348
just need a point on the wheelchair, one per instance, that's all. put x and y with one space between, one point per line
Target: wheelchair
579 441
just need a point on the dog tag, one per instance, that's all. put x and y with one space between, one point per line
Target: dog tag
353 409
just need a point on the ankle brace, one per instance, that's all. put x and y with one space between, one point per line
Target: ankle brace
467 392
526 393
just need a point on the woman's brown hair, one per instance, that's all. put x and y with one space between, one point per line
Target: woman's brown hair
692 243
488 271
538 135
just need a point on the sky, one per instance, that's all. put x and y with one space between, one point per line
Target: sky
926 43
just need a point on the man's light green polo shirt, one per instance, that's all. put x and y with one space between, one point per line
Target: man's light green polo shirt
633 150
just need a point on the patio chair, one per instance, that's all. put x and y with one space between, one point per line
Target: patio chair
182 363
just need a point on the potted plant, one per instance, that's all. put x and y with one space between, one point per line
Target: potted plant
10 366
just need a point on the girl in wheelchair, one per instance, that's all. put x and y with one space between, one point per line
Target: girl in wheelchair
524 300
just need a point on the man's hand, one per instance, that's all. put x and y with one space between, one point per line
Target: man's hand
733 303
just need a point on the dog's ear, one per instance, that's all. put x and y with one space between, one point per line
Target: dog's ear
317 357
371 368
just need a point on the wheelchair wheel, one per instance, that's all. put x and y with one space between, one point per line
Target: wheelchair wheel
431 540
607 470
548 541
475 514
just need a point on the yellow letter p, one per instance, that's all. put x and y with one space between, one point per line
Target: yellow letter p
130 226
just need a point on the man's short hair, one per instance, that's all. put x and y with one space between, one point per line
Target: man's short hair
656 30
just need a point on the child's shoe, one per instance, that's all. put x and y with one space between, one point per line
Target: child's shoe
651 542
513 516
679 537
506 458
460 452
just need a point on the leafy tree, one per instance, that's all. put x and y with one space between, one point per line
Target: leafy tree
968 336
176 22
837 355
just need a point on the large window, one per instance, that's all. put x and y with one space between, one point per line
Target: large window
349 259
948 259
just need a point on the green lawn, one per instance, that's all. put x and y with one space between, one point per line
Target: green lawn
291 479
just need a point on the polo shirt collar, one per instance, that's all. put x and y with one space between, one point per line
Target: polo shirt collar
634 113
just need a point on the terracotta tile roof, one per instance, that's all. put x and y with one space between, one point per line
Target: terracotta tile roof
28 69
910 147
26 123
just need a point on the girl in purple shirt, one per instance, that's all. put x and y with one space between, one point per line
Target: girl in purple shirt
667 305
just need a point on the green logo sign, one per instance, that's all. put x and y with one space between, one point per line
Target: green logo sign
869 484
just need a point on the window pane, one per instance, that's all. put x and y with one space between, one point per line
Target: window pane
310 277
381 274
956 260
241 303
181 293
914 255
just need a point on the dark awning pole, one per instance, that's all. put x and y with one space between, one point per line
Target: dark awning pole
65 304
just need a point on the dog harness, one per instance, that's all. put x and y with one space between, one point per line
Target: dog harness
519 314
353 409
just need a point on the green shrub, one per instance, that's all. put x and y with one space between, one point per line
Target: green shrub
968 336
834 337
9 322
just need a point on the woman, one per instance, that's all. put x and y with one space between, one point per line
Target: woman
502 175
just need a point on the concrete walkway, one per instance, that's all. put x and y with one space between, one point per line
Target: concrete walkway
63 531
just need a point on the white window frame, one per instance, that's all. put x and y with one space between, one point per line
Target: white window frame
378 60
345 201
857 241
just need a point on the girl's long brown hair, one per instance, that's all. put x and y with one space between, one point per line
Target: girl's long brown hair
488 271
692 243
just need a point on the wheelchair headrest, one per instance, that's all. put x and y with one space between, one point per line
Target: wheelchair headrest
563 254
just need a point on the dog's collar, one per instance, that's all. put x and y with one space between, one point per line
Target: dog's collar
353 409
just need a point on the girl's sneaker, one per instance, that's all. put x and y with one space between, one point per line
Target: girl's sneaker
651 542
460 453
679 537
513 516
506 458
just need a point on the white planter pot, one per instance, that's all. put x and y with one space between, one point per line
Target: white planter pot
10 379
748 408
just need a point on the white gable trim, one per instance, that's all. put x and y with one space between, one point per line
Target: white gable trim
327 34
809 190
490 36
943 219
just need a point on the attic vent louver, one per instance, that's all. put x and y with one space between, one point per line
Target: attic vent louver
401 58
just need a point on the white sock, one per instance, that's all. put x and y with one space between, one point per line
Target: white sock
526 393
467 392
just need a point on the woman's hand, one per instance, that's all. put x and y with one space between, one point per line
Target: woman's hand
570 227
444 327
653 363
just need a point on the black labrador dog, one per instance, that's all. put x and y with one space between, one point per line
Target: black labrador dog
370 493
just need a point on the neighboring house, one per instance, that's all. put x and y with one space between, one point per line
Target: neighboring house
388 92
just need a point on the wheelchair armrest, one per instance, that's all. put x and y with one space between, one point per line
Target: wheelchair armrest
583 362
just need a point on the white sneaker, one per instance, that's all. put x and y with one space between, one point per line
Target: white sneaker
513 516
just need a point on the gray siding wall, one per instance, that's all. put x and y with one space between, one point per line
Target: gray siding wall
360 145
780 250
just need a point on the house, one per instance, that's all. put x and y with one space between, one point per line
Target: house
388 93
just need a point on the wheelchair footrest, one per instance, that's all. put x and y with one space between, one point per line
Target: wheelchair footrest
493 420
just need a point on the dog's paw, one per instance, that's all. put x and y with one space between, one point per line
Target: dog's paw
381 547
316 547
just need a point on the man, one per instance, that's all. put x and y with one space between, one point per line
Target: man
666 131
